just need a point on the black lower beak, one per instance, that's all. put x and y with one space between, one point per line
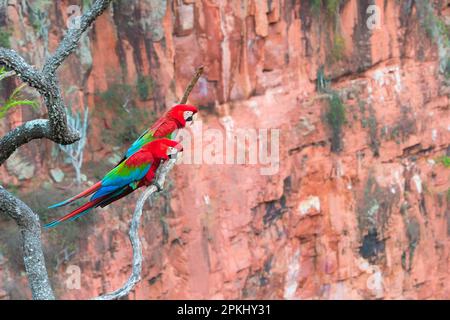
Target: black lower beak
172 156
190 119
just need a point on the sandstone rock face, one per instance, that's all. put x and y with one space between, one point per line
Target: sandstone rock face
57 174
20 167
369 222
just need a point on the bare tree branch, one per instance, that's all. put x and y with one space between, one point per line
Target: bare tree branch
192 84
161 174
33 256
26 72
70 40
34 129
47 85
55 129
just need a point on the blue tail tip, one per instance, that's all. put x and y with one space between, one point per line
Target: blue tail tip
51 224
59 204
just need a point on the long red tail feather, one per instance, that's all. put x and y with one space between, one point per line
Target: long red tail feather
85 193
80 211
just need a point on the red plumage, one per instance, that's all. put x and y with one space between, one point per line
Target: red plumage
107 192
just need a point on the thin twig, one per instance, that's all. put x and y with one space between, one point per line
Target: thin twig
161 174
192 84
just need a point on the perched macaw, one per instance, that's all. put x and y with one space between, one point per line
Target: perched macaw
173 119
136 171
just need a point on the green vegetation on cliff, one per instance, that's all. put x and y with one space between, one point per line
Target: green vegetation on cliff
335 115
15 98
4 38
129 119
336 120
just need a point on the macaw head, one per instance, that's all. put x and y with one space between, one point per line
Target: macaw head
164 148
183 113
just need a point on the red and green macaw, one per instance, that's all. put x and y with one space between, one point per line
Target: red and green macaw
172 120
135 171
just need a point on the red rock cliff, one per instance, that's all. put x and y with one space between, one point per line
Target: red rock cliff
358 208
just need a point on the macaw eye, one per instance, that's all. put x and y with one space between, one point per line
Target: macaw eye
171 150
187 115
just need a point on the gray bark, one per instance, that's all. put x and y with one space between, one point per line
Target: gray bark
55 129
33 256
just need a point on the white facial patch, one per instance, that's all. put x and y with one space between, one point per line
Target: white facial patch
171 151
187 114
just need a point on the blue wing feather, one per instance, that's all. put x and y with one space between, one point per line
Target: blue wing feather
103 191
116 178
136 145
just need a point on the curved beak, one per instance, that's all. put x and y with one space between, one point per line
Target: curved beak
191 119
179 147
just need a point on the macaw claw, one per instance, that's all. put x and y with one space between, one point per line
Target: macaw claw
158 186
